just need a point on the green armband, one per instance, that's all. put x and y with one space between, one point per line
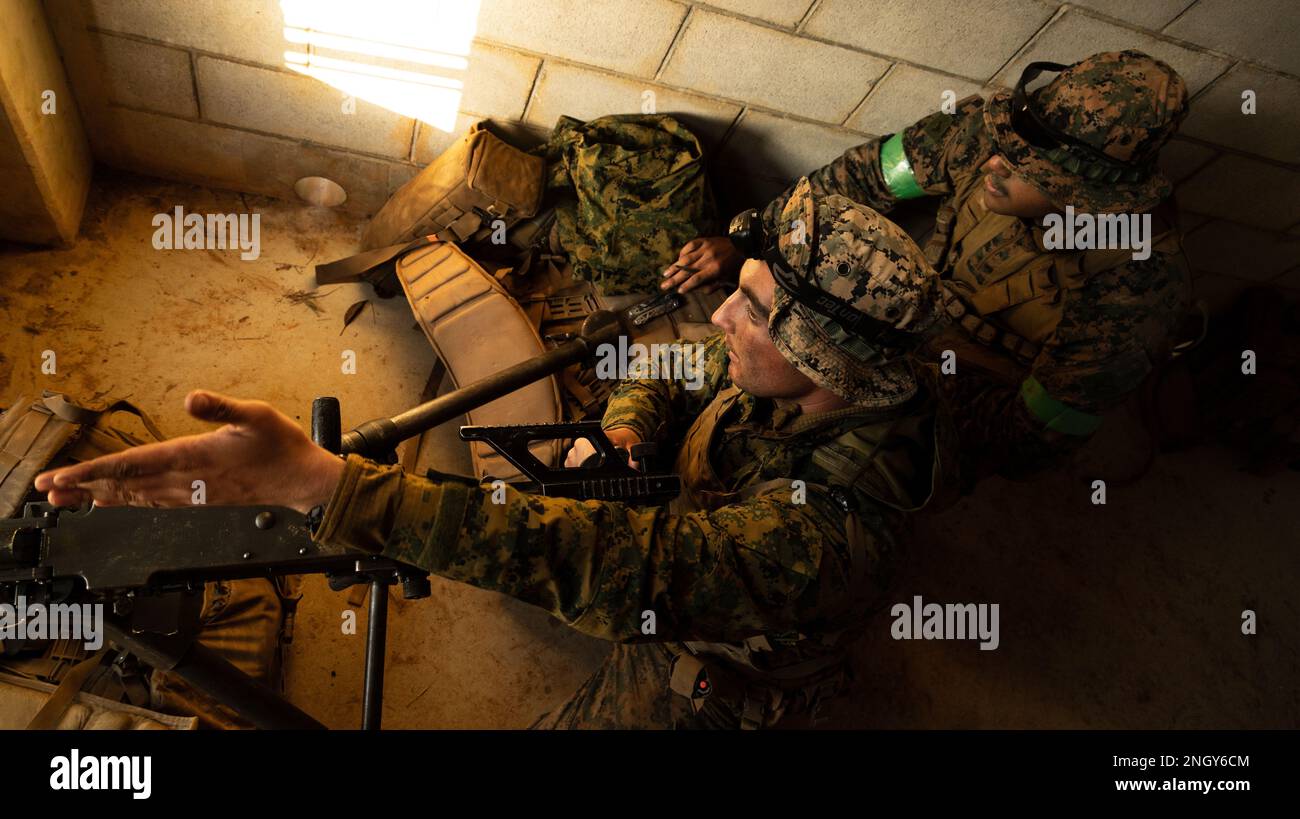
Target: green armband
1055 415
897 170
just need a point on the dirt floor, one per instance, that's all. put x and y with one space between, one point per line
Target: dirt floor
1126 615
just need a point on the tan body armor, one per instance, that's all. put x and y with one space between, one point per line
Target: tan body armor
1005 293
477 181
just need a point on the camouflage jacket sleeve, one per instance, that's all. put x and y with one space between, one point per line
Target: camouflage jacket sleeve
653 406
938 147
744 569
1112 331
1111 334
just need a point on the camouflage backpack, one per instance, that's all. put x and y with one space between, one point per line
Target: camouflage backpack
632 190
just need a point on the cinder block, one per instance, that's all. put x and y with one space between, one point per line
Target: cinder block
45 161
432 140
399 175
732 58
283 103
1244 190
740 190
1179 159
772 146
237 160
1243 252
142 75
497 82
778 12
493 81
952 35
1263 30
905 95
1152 14
576 92
248 29
1271 131
631 36
1074 36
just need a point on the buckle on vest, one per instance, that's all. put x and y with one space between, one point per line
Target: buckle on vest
841 498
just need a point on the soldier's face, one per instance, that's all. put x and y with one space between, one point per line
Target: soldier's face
1007 194
754 363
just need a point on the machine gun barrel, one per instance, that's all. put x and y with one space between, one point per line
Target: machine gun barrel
381 435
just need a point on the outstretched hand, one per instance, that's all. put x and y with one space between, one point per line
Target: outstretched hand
259 457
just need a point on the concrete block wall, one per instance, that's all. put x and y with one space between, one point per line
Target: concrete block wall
45 162
201 90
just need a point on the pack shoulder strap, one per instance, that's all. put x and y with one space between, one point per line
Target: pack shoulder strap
77 414
53 709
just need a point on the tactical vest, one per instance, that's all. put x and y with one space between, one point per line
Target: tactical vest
874 462
1005 292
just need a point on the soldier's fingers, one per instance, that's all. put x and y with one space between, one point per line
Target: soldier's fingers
704 277
154 491
681 273
69 498
692 245
222 409
135 462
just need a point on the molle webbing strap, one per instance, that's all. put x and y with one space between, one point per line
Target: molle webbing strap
984 331
68 411
897 170
15 449
53 709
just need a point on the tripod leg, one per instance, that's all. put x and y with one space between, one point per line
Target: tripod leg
376 645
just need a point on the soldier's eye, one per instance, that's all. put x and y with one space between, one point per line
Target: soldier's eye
749 311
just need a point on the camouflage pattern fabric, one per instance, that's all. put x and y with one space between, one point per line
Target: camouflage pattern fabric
1123 103
634 192
857 255
1112 328
762 566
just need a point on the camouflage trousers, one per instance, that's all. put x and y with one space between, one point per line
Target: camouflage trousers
631 691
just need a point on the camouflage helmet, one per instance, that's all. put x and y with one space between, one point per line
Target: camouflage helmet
1124 104
853 253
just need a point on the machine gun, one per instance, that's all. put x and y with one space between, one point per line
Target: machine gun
148 566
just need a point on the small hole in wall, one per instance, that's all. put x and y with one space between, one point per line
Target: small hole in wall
317 190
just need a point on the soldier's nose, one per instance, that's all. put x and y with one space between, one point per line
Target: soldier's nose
997 165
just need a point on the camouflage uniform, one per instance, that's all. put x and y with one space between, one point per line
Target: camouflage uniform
753 579
1045 339
639 192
